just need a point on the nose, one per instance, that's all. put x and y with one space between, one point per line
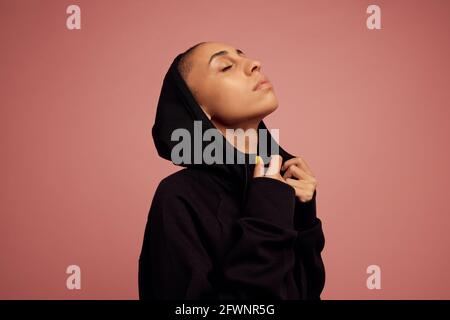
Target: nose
253 65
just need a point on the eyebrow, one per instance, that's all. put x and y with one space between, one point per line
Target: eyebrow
221 53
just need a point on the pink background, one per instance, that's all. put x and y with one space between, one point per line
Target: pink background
368 109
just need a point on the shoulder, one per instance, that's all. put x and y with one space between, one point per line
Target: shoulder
179 181
189 186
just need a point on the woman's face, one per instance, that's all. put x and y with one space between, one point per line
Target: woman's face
224 81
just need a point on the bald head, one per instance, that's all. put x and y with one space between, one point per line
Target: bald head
186 62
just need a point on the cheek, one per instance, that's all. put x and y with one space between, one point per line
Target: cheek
230 101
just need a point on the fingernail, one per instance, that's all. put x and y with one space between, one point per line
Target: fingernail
258 160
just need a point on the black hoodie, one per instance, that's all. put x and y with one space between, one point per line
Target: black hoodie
215 232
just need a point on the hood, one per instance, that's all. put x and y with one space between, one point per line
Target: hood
177 108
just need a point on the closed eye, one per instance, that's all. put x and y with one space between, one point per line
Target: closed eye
226 68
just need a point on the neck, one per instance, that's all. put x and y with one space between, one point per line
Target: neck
243 136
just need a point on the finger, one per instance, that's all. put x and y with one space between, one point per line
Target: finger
302 184
294 171
296 189
300 162
302 189
259 167
288 163
294 182
274 165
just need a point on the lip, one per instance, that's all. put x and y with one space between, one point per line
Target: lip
262 83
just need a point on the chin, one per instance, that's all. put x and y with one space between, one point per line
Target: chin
270 106
264 112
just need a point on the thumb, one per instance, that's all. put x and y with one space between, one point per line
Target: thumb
259 167
275 165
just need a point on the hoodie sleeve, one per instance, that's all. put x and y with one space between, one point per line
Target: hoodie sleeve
258 265
309 269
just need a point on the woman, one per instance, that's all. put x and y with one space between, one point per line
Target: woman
228 230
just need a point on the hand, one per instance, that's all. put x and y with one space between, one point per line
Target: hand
304 181
274 168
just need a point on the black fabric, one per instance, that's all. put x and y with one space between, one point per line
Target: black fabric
215 232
